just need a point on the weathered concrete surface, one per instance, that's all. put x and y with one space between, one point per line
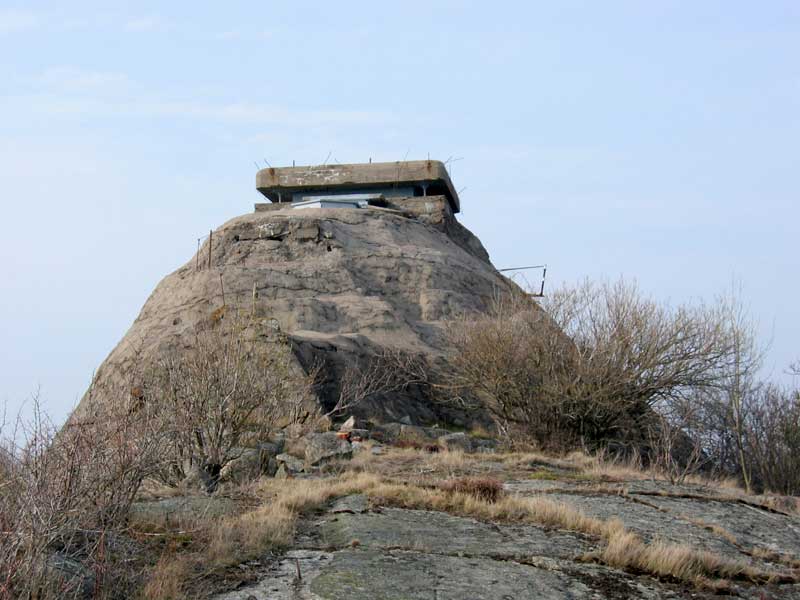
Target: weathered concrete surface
341 284
285 180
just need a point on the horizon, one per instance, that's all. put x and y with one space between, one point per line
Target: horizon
650 142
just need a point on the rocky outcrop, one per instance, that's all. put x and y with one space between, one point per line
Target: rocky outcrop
359 550
342 284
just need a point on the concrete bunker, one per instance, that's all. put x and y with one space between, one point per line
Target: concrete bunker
336 186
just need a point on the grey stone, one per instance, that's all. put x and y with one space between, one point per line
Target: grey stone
457 441
282 472
751 526
354 504
291 464
245 467
360 575
441 533
68 578
181 509
324 446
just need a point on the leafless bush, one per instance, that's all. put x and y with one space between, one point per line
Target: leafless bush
359 383
772 434
64 497
589 368
233 384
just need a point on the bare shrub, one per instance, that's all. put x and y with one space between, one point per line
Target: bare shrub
773 439
64 498
360 382
589 368
228 389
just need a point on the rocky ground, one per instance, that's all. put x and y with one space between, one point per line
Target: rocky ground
379 544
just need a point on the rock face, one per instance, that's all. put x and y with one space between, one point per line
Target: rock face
358 550
340 283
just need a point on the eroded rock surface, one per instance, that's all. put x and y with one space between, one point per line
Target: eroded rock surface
353 553
341 283
357 550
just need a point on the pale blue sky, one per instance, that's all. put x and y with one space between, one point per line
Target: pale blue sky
654 140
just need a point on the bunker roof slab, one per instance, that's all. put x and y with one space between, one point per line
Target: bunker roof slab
279 183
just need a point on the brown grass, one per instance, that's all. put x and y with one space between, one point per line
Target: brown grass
625 550
166 580
483 488
271 524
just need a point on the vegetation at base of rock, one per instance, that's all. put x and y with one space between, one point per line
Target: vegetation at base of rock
621 548
652 392
605 367
64 501
225 392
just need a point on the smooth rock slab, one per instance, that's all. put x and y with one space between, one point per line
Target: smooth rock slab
650 523
366 575
749 525
441 533
354 504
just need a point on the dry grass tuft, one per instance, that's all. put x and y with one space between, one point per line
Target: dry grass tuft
450 459
237 539
483 488
166 580
625 550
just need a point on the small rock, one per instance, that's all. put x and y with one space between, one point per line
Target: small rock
406 420
354 504
349 424
376 450
246 467
325 446
457 441
291 463
69 578
359 434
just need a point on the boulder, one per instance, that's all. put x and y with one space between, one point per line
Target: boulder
68 578
252 463
457 441
290 464
460 441
321 447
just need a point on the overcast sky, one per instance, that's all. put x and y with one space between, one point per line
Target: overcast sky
653 140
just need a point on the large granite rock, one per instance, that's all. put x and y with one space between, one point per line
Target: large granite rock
321 447
342 284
